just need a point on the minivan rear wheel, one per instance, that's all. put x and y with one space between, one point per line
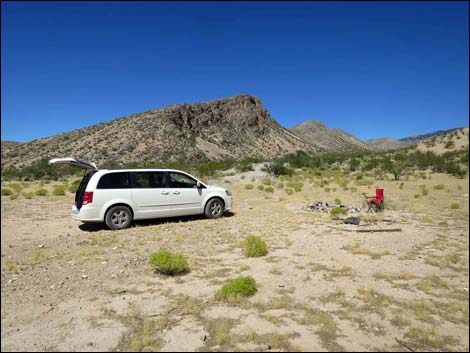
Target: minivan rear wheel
118 217
214 208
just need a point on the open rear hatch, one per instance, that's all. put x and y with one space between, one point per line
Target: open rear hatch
73 162
90 169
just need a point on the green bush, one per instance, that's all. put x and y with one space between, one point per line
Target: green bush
169 264
277 168
254 246
266 182
28 195
41 192
455 206
424 191
6 192
280 185
338 211
337 202
59 190
74 186
269 189
260 187
17 187
438 187
289 191
249 186
235 289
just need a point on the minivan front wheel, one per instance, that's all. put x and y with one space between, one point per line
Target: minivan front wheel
214 208
118 217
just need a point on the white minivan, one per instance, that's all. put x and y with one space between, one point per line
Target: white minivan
117 197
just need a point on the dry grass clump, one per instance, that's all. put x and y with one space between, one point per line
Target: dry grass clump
254 246
168 263
236 289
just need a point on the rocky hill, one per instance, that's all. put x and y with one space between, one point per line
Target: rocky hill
335 140
387 143
234 127
9 144
447 141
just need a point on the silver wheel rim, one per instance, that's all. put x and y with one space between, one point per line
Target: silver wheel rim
118 218
216 208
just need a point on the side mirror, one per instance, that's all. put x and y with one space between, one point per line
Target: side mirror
198 185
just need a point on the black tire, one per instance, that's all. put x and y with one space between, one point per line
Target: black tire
118 217
214 208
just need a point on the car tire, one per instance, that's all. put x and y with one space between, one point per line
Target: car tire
118 217
214 208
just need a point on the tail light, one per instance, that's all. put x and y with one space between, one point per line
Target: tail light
87 197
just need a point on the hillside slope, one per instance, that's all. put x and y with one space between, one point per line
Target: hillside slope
234 127
335 140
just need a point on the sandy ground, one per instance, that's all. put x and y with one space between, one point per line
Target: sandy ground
322 286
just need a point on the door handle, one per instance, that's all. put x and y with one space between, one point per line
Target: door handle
176 192
165 192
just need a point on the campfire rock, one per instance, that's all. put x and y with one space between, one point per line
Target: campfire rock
352 220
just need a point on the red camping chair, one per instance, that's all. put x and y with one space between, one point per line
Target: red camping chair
376 201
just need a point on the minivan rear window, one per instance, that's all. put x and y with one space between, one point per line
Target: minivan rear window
120 180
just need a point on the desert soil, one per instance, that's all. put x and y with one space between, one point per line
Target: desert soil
321 287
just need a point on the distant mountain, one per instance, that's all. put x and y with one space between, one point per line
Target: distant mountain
387 143
9 144
334 140
234 127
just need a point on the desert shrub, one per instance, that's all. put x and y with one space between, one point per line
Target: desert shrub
289 191
242 177
169 264
227 182
401 186
455 206
244 166
260 187
254 246
266 182
337 201
424 191
353 189
269 189
280 185
41 192
74 186
338 211
297 185
6 192
438 187
17 187
237 288
327 189
249 186
359 176
416 196
58 190
28 195
277 168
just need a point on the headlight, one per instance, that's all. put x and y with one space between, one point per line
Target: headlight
228 192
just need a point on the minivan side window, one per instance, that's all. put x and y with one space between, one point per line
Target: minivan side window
119 180
181 181
150 180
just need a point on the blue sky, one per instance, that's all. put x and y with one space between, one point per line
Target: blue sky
373 69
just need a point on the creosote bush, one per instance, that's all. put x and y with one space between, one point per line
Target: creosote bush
455 206
249 186
6 192
236 289
41 192
269 189
169 264
337 211
59 190
254 246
